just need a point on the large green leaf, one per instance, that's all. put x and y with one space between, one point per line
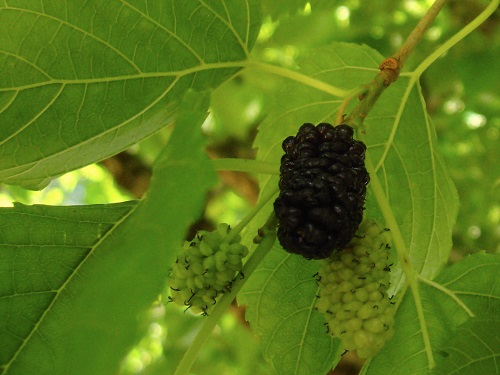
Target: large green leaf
473 349
75 280
83 80
280 309
468 287
417 189
41 248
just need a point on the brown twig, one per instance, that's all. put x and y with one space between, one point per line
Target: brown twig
391 67
401 56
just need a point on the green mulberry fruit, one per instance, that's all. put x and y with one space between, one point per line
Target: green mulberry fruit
353 292
206 269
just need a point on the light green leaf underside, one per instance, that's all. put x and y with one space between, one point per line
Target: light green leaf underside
280 309
91 319
417 187
420 193
473 349
470 286
82 80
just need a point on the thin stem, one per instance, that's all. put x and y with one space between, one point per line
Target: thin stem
449 293
299 77
391 222
342 109
391 67
249 216
457 37
226 300
411 42
423 325
246 165
374 90
403 255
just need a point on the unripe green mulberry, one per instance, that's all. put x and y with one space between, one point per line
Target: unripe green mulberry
206 268
353 292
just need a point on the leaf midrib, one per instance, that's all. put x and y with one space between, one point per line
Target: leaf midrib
174 73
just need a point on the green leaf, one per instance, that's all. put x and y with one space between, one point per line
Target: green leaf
475 281
280 309
41 248
474 348
84 80
417 188
89 318
465 289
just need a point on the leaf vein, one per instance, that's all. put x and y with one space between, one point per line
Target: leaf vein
82 31
170 32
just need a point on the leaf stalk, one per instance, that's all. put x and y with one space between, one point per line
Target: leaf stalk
246 165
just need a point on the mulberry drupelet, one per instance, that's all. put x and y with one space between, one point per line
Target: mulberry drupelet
353 292
322 190
206 268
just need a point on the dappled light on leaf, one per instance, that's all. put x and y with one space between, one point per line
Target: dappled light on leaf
164 94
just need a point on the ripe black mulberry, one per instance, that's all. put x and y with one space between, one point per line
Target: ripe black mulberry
322 190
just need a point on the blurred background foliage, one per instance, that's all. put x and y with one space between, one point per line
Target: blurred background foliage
463 98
